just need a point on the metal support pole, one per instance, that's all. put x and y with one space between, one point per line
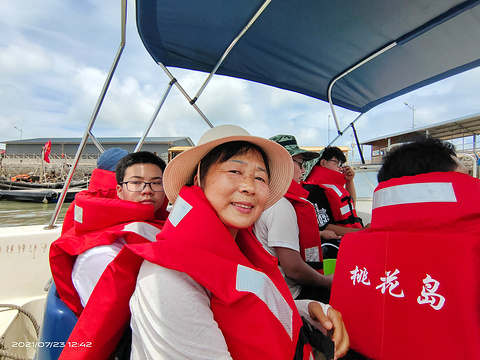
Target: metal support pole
154 116
96 142
230 47
358 143
182 90
83 142
349 125
348 71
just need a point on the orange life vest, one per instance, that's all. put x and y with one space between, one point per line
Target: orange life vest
409 287
340 200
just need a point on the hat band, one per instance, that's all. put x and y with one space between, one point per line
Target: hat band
287 142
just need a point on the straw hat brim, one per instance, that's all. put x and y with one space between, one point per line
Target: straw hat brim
179 171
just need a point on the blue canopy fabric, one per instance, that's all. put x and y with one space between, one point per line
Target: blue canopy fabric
302 45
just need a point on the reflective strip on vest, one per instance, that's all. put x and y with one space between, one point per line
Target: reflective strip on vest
345 209
78 214
260 285
179 210
414 193
335 188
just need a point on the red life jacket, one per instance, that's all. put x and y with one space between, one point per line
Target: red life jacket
409 287
99 220
309 235
100 180
340 200
226 267
104 185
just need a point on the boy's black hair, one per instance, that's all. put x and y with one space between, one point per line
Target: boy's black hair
331 152
141 157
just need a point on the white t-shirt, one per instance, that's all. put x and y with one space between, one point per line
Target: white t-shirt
172 318
90 265
278 227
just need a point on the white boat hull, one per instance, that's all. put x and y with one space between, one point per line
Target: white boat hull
25 271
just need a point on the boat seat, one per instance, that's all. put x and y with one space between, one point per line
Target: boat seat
58 323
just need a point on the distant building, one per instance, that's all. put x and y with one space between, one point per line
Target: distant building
461 128
67 147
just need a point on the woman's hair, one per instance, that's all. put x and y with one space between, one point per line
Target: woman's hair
225 152
422 156
140 157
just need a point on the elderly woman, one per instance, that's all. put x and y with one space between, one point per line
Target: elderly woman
207 289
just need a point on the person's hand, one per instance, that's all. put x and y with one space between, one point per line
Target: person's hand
332 321
348 173
366 226
329 235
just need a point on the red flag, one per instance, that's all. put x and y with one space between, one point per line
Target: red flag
47 149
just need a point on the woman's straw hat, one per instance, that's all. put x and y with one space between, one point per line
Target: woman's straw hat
179 171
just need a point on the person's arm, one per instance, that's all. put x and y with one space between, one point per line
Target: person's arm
329 235
298 270
172 319
341 230
350 185
325 318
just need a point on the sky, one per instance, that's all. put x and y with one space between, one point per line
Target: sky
56 54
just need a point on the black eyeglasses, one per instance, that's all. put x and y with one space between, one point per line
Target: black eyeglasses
139 186
338 162
300 163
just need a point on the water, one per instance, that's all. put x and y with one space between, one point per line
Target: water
16 213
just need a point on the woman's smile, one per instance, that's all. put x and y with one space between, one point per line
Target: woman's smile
237 189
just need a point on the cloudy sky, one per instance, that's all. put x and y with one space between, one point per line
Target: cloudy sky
55 55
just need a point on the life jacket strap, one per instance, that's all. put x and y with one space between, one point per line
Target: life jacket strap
309 334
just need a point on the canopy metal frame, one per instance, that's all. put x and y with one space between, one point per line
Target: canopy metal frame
88 132
173 81
193 101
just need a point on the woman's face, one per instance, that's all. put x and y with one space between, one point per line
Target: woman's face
237 189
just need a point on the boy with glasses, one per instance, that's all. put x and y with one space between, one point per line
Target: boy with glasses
104 224
332 191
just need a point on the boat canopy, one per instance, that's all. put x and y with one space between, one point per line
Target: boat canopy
352 53
315 47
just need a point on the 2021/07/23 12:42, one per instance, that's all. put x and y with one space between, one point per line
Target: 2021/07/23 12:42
50 344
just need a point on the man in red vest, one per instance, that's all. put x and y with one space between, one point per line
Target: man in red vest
332 191
409 287
289 231
105 219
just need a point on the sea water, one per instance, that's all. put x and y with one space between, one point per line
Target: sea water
18 213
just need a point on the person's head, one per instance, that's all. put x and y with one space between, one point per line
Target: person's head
241 175
110 157
419 157
332 158
299 156
140 178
